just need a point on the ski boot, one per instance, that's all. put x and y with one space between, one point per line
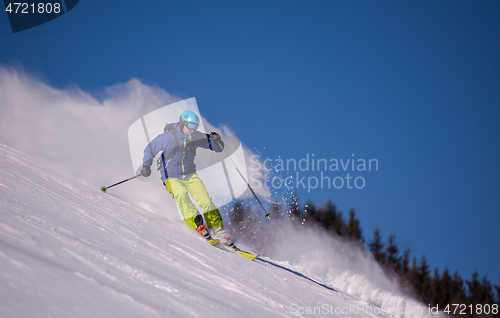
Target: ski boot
204 232
227 241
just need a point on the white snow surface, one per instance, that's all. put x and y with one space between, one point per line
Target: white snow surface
68 250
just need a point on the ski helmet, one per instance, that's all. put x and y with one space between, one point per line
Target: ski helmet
190 117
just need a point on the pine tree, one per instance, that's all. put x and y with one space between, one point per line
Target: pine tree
422 281
392 252
444 295
335 219
238 218
488 293
238 212
376 246
353 230
404 274
497 289
436 287
311 215
330 219
457 290
405 262
437 290
475 289
480 292
413 273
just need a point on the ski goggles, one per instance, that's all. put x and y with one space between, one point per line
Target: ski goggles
191 126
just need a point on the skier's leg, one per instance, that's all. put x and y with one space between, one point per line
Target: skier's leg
181 196
199 192
212 216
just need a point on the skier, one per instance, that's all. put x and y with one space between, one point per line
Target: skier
178 145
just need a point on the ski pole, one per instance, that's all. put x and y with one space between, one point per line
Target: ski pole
242 177
103 188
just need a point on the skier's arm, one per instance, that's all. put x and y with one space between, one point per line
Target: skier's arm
160 143
210 141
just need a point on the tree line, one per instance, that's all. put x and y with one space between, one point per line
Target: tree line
459 297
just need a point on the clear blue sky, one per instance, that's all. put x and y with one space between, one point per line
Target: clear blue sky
415 85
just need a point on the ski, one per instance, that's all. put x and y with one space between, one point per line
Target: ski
213 242
228 244
248 255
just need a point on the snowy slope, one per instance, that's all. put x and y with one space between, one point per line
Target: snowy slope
68 250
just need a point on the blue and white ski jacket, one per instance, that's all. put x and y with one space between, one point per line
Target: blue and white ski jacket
181 164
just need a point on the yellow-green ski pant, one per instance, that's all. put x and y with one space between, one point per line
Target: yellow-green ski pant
181 188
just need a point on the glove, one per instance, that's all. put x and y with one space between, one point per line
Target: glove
146 171
215 137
